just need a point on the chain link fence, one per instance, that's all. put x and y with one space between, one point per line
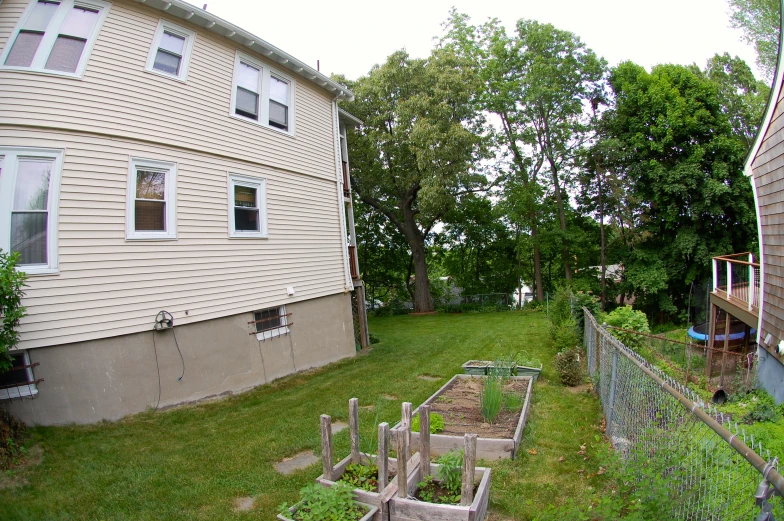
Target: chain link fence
714 470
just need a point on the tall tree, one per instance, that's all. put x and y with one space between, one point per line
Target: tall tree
417 150
760 22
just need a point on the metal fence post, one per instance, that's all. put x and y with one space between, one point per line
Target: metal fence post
613 381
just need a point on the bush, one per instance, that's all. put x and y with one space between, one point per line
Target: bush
318 503
534 305
627 318
565 335
584 300
561 306
567 363
11 309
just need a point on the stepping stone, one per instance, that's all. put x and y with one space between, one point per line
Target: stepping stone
243 504
428 378
367 407
339 426
389 397
297 462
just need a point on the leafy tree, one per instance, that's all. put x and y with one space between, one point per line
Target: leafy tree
760 22
684 167
11 309
417 150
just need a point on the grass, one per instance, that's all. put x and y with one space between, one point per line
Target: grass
194 462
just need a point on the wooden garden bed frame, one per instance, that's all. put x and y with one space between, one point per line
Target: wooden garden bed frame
487 448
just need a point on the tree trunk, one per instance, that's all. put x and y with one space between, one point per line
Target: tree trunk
537 266
423 302
562 221
600 173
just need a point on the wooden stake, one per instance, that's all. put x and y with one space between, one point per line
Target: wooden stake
383 455
424 440
326 446
353 420
402 463
405 424
469 467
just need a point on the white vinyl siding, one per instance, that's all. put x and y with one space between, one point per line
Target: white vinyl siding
152 200
54 36
118 97
262 95
247 207
171 51
29 199
108 286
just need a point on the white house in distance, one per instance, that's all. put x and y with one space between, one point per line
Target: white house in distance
162 167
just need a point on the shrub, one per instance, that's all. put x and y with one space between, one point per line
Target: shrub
492 398
565 335
627 318
373 338
561 306
436 423
11 309
583 300
534 305
567 363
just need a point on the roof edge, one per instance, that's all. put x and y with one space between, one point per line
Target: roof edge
206 20
770 108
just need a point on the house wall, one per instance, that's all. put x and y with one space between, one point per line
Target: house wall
118 97
107 379
768 179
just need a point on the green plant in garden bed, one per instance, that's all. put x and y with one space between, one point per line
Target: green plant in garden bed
436 423
361 476
447 489
319 503
492 397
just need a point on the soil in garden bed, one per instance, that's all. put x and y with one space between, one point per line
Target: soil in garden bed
459 405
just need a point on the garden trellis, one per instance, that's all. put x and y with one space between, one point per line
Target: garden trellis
714 468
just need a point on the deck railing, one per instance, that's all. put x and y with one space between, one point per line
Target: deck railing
737 278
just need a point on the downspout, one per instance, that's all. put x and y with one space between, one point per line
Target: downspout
349 284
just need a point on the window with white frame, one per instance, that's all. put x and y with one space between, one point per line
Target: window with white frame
271 322
151 206
262 95
55 36
18 381
171 50
29 198
247 206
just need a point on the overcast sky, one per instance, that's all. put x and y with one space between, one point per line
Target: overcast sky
350 36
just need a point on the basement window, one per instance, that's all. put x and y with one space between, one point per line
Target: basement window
19 381
271 322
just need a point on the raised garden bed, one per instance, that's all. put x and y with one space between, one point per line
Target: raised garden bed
533 372
378 499
458 401
371 511
478 367
404 509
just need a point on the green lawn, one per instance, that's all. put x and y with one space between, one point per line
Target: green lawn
192 463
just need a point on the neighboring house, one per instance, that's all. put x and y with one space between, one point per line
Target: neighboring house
155 158
752 290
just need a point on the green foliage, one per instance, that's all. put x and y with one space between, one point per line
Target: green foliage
361 476
535 305
429 490
318 503
567 364
760 22
373 338
761 408
565 336
627 318
525 359
450 470
513 401
11 308
492 397
436 423
561 306
582 300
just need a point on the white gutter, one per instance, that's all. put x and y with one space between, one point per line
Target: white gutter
206 20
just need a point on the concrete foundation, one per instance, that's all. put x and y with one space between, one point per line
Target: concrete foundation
107 379
770 375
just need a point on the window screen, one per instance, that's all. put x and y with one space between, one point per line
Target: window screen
67 50
30 36
30 215
248 81
278 107
150 203
168 58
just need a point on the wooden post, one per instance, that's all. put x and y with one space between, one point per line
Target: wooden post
729 280
405 424
715 274
424 440
727 323
711 344
469 467
383 455
326 446
751 281
353 425
402 463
